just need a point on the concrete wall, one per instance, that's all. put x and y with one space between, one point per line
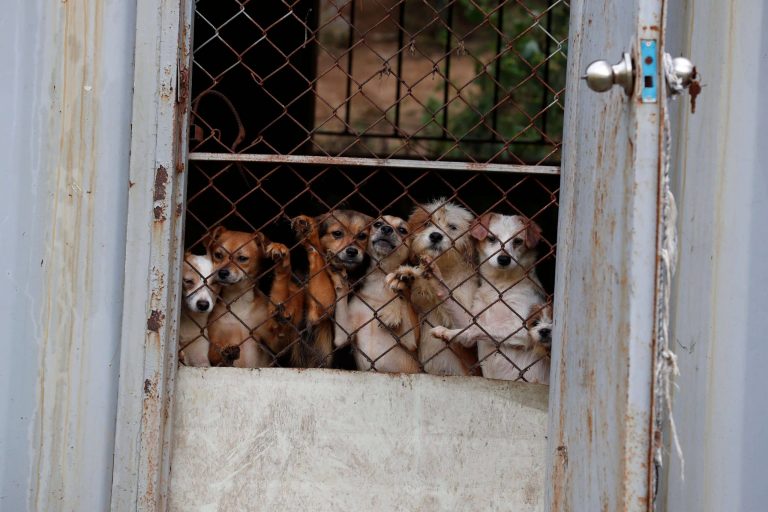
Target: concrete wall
720 323
66 79
327 440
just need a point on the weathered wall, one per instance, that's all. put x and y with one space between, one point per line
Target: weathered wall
720 322
66 78
328 440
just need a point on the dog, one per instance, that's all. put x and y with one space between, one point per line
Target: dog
247 329
535 363
509 289
200 293
443 284
381 324
341 237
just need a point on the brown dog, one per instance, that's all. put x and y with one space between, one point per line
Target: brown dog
380 323
340 237
247 329
442 291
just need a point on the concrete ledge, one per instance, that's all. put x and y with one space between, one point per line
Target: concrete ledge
282 440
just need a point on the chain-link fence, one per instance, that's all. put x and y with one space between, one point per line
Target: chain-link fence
373 185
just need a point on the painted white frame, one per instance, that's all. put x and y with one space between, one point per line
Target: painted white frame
154 251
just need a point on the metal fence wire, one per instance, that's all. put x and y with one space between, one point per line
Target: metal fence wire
373 185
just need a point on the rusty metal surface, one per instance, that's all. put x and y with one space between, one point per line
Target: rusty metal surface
66 93
599 451
330 440
153 255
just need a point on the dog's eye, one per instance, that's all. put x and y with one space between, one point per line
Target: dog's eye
491 239
189 282
402 230
218 255
517 242
242 259
337 234
452 227
362 236
378 224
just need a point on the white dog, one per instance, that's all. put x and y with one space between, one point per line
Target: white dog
381 324
442 290
200 294
508 292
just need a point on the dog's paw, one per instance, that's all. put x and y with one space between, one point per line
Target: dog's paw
278 252
401 280
443 333
304 226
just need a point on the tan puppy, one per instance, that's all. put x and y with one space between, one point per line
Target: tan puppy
246 329
506 245
381 325
440 233
200 295
341 237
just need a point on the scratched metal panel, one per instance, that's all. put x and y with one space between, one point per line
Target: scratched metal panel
720 299
604 295
281 439
65 96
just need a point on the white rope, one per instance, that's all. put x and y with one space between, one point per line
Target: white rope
666 367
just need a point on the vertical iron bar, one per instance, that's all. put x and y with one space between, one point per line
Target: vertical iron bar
350 42
399 74
544 91
448 52
497 71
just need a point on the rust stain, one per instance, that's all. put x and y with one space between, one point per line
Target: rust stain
155 321
161 180
147 386
179 210
159 215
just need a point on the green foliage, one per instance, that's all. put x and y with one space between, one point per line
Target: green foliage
514 97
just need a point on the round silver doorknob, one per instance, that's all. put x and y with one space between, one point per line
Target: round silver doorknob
601 76
683 69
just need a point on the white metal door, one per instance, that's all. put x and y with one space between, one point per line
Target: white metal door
602 383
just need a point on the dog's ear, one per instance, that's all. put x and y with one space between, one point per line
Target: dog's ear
480 226
532 233
261 241
213 236
418 218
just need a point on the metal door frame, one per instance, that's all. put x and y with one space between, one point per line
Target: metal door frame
155 249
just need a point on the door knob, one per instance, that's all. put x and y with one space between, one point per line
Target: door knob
601 76
683 70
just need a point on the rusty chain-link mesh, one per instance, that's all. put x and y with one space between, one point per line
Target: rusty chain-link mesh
305 108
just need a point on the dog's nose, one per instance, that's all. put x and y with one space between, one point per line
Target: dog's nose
223 273
203 305
351 252
504 260
387 230
435 236
545 333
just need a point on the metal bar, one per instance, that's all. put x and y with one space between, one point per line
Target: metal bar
547 49
497 70
448 32
350 43
399 74
373 162
467 140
